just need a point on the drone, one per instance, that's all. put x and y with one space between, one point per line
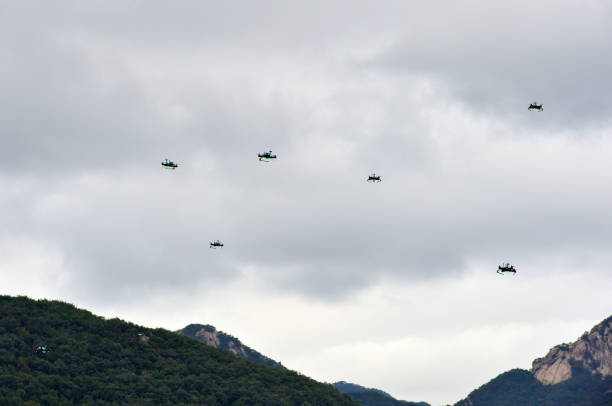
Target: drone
41 349
266 155
374 178
507 268
169 164
534 107
216 244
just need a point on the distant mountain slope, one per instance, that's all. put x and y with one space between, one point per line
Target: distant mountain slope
576 374
372 397
209 335
94 361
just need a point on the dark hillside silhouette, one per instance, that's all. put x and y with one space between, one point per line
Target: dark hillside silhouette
94 361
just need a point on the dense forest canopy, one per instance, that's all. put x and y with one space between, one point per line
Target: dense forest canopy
94 361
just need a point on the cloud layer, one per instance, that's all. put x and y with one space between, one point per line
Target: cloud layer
318 265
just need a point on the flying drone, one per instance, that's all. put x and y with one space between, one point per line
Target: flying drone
534 107
507 268
41 349
374 178
216 244
266 156
169 164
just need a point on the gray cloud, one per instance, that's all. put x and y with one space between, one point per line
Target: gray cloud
432 97
500 58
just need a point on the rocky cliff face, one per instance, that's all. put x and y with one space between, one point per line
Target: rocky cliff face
593 351
209 335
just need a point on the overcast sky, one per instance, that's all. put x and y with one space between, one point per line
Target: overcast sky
388 285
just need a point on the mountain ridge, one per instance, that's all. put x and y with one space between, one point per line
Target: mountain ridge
372 396
97 361
574 374
209 335
593 351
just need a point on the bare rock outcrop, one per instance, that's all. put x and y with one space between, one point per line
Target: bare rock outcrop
210 335
593 351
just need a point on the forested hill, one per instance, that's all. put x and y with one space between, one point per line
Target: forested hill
94 361
372 397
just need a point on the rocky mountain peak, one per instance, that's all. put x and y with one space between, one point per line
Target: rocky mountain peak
210 335
205 333
592 351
